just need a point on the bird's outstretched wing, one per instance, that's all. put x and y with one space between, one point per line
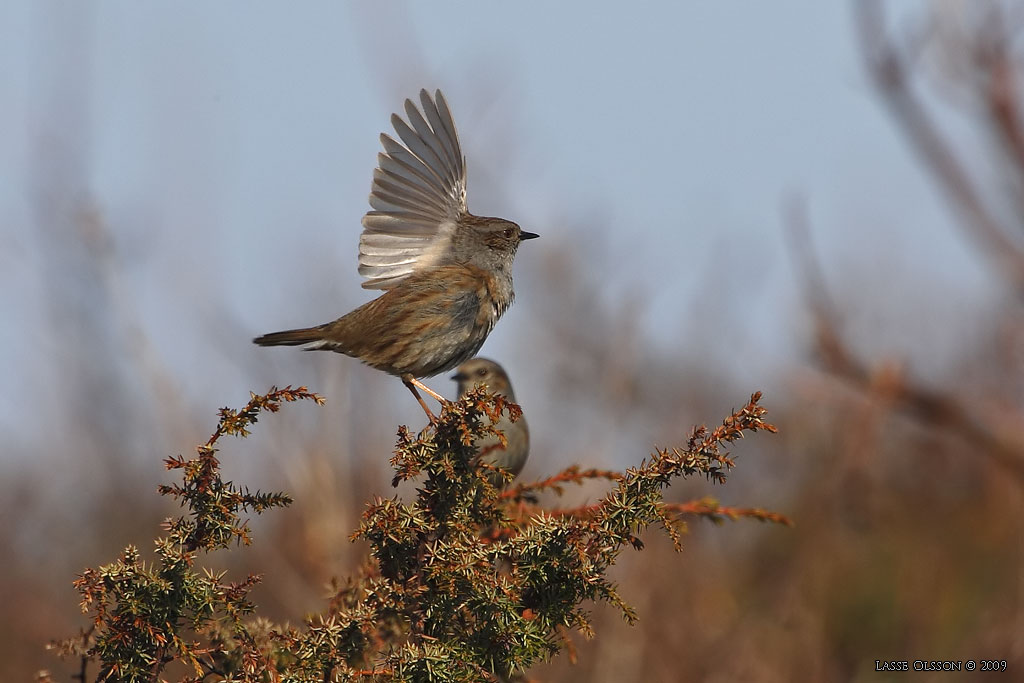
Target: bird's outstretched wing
418 195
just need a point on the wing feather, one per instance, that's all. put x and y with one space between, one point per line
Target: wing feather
396 186
434 146
451 138
417 196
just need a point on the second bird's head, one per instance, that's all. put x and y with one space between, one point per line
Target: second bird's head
478 371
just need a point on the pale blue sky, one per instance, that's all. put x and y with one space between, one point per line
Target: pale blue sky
229 143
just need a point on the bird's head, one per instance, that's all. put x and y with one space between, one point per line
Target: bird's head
490 243
483 371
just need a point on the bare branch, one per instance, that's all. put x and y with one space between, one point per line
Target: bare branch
941 410
888 69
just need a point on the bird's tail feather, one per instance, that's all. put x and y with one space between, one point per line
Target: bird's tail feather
307 335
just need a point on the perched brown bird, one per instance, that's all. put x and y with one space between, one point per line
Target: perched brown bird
512 456
447 273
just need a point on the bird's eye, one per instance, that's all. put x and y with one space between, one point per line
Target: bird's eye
509 232
481 372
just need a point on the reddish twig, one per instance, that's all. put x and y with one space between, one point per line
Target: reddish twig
710 509
570 475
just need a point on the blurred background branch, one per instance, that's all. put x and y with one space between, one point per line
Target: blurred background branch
987 68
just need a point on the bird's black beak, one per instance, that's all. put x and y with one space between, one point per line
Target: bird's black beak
528 235
458 377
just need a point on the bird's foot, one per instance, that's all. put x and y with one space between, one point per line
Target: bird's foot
412 383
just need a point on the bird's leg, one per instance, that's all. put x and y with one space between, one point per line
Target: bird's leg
411 382
440 399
